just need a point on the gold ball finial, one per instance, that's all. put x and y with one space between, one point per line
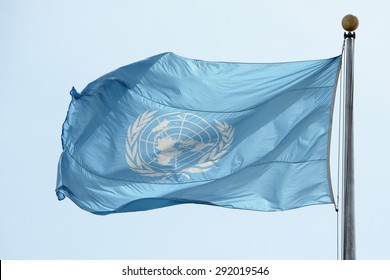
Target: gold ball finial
350 23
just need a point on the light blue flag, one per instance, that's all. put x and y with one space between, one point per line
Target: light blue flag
170 130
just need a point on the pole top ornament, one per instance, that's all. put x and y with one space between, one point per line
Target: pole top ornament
350 23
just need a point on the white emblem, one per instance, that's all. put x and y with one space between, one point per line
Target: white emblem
175 143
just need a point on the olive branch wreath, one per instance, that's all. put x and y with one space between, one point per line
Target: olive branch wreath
204 164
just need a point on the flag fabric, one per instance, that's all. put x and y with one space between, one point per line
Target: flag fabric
170 130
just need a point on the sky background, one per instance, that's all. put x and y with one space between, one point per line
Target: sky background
46 47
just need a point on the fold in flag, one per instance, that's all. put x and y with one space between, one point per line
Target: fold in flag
170 130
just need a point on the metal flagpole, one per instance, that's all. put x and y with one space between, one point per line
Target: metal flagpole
350 24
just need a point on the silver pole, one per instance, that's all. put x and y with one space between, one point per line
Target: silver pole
348 229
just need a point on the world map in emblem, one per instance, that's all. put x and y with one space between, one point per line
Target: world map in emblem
176 143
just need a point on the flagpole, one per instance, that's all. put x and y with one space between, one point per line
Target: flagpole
350 24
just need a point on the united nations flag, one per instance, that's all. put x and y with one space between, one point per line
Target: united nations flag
170 130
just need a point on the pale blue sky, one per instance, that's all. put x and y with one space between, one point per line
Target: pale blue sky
49 46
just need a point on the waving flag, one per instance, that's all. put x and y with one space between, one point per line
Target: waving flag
170 130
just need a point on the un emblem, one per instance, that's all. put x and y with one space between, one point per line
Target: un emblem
175 143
